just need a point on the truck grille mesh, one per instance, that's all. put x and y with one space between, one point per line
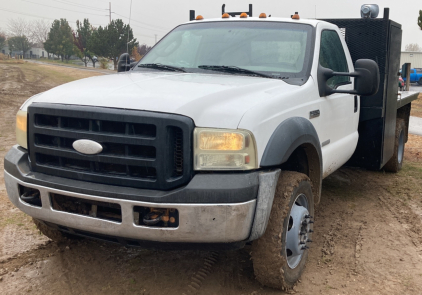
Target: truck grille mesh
140 149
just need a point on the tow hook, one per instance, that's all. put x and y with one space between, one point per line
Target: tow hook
152 218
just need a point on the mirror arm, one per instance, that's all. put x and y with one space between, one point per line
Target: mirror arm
353 74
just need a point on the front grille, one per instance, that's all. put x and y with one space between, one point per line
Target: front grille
140 149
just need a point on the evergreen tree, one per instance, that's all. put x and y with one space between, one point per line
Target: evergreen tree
19 43
112 40
60 39
81 39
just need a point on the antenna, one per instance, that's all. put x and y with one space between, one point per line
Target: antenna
128 28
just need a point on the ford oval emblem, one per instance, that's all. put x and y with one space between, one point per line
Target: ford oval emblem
87 147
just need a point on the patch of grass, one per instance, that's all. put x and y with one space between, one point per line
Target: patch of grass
19 219
417 107
407 185
412 169
55 76
12 61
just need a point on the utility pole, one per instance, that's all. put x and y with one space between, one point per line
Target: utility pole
109 9
155 38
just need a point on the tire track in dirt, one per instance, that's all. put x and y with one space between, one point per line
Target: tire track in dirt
198 278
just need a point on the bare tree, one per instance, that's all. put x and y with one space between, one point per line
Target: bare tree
18 27
413 47
39 31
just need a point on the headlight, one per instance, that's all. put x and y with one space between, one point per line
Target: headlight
22 122
223 149
21 128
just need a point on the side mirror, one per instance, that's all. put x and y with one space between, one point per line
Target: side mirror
123 65
366 74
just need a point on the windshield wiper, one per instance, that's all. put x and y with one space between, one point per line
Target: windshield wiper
159 66
234 69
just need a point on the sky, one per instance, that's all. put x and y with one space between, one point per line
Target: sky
151 20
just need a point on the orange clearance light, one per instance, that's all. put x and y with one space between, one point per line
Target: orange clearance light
243 15
295 16
262 15
199 17
226 15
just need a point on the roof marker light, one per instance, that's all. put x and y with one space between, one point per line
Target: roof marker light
199 17
262 15
295 16
243 15
226 15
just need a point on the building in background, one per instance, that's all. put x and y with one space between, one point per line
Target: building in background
413 57
34 52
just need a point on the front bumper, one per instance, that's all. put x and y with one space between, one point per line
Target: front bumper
209 222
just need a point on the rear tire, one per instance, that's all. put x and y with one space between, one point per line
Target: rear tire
420 81
54 234
396 162
277 256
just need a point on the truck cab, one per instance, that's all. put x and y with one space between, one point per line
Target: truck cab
220 136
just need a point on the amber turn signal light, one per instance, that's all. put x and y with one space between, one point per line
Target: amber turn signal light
262 15
199 17
295 16
226 15
243 15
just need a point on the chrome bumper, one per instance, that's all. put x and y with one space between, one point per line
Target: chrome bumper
198 223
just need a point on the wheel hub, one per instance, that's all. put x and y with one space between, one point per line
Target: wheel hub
298 231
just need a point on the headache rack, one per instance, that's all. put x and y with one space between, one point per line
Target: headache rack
378 39
223 11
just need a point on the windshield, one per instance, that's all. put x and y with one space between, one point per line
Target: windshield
280 50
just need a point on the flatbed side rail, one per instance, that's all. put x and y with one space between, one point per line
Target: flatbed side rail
406 97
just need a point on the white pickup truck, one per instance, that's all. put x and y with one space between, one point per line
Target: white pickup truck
220 136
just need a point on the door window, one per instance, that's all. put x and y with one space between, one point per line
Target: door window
332 56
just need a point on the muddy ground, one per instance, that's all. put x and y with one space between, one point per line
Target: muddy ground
367 240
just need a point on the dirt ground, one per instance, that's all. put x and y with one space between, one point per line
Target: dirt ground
367 240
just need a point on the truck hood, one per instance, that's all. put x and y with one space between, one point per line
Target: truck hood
211 100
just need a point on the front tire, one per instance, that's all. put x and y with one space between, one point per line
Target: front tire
54 234
279 256
420 81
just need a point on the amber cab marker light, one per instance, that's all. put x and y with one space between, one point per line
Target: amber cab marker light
243 15
295 16
226 15
262 15
199 17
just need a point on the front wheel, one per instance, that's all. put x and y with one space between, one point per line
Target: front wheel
54 234
420 81
280 255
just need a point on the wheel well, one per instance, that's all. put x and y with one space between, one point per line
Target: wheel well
304 159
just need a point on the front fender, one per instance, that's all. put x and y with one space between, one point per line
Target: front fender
291 134
288 136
